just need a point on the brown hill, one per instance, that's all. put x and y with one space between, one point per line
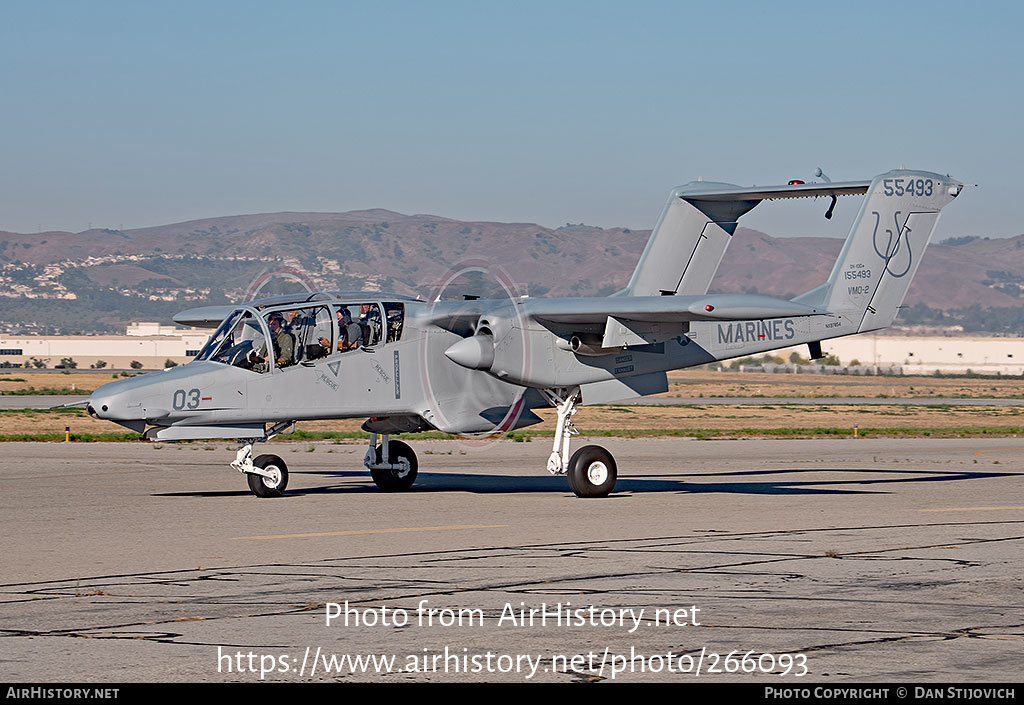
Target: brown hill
411 253
979 271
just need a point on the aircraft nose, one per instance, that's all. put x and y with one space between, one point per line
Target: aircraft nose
119 408
117 401
101 407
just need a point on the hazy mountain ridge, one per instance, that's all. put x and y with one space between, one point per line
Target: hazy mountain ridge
983 272
98 278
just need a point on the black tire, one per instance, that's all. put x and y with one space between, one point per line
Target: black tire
390 480
592 472
264 486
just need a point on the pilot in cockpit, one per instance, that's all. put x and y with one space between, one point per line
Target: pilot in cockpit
284 346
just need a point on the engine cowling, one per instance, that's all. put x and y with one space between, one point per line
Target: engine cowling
499 347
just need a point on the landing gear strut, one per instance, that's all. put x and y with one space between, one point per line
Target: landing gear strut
392 464
591 469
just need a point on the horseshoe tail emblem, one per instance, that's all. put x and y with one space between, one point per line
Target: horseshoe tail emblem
895 244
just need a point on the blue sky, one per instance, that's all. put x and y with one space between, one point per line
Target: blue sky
136 114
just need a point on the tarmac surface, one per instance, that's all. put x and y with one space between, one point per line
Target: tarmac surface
848 561
819 401
39 401
46 402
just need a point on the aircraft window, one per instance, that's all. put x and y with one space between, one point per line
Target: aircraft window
234 340
297 335
320 333
358 326
396 318
218 336
369 322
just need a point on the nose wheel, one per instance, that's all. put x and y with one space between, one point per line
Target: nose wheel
267 475
272 478
591 469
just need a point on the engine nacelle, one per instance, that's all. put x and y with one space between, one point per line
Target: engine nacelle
497 347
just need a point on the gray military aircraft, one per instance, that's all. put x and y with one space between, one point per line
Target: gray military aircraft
484 366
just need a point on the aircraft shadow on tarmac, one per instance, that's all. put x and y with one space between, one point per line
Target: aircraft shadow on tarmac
844 481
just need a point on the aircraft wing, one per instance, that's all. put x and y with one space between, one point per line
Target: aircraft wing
203 317
642 320
676 309
460 317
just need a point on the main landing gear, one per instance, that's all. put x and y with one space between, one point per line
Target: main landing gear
392 464
591 469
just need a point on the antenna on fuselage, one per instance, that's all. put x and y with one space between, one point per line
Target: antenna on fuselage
832 206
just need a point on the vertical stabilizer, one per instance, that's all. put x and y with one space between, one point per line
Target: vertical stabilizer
884 247
687 244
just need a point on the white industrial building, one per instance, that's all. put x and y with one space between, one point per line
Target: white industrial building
923 355
152 345
149 344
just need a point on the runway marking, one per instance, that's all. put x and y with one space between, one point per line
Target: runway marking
986 454
361 532
968 509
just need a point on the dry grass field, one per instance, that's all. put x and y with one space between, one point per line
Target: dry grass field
682 383
30 380
697 383
698 419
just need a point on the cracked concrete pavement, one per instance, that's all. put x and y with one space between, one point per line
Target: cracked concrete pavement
870 560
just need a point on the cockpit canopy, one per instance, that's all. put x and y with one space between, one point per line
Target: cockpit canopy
236 335
261 337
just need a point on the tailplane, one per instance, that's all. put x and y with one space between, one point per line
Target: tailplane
696 227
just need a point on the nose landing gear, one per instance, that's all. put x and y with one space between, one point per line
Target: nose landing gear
591 469
267 475
274 478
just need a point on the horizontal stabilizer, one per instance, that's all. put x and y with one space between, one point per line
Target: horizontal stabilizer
698 191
